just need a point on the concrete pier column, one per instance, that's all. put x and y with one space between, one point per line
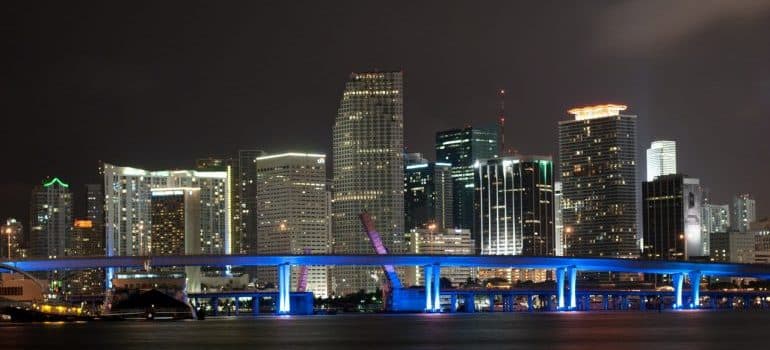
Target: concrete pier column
255 305
695 277
436 291
713 302
606 302
470 303
642 302
427 272
560 273
215 306
237 303
453 305
491 298
284 285
530 302
572 274
678 280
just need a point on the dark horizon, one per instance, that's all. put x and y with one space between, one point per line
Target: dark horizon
157 85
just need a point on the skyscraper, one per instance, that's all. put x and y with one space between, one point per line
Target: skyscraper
514 206
462 148
597 154
742 212
368 143
87 240
50 219
12 240
294 210
427 193
175 215
671 209
661 159
716 218
246 190
558 219
127 209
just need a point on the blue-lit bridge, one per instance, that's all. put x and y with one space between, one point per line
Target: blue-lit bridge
566 269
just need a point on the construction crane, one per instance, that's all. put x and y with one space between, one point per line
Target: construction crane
302 278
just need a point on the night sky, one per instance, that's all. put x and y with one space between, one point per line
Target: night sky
158 84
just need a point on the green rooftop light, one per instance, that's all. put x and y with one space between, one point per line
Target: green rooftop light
53 181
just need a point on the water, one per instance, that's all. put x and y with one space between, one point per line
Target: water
596 331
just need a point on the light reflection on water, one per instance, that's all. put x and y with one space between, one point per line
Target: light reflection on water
572 330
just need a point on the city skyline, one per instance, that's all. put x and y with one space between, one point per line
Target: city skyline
681 89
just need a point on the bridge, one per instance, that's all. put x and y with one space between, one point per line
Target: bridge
566 269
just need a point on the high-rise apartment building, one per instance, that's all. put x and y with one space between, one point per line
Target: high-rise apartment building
671 209
50 219
558 219
368 144
742 212
515 206
293 204
128 193
461 148
12 240
175 214
87 240
597 154
716 218
427 193
661 159
246 191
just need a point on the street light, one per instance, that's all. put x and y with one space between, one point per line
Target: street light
8 232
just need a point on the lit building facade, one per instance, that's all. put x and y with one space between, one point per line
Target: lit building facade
661 159
671 211
427 193
743 212
461 148
128 193
733 247
87 240
368 144
558 219
716 218
515 206
435 241
294 210
597 154
12 240
245 177
50 219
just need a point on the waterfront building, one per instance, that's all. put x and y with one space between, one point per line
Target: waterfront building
558 219
294 214
440 241
733 247
461 148
50 219
368 143
87 240
661 159
742 212
671 212
12 240
597 154
427 193
127 207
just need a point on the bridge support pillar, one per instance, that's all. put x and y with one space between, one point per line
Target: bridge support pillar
284 285
237 305
255 305
572 273
215 306
470 303
427 272
530 302
695 277
678 280
453 305
560 273
436 288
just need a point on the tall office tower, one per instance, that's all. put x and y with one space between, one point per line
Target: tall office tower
661 159
127 209
427 193
230 167
515 206
294 210
597 154
435 241
462 148
368 144
50 219
246 178
743 212
175 213
87 240
12 240
558 220
716 218
671 209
